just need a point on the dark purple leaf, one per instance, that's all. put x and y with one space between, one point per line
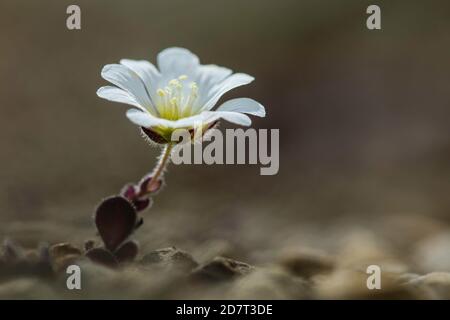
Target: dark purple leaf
127 252
129 191
115 219
147 187
102 256
142 204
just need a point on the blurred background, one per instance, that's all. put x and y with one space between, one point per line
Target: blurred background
363 118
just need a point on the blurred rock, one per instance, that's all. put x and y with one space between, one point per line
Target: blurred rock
220 269
61 263
63 255
170 257
405 277
433 253
62 249
435 285
362 248
131 282
351 284
214 248
404 229
270 284
306 262
19 262
26 288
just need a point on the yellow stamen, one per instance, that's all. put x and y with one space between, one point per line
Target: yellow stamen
175 102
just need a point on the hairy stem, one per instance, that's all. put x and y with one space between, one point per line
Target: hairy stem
158 171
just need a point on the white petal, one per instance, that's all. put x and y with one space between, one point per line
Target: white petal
143 119
190 122
117 95
177 61
208 117
233 117
128 80
147 72
210 75
233 81
244 105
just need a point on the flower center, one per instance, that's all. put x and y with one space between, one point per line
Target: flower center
176 100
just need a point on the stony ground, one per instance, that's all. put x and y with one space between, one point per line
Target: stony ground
413 268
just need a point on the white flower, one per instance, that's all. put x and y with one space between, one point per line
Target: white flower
181 94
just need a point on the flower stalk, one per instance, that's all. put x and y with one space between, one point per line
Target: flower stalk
159 169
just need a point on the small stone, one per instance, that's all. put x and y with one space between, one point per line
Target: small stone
352 284
306 263
26 288
63 249
221 268
12 251
170 257
362 248
62 262
432 254
435 285
213 248
17 261
270 284
406 277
